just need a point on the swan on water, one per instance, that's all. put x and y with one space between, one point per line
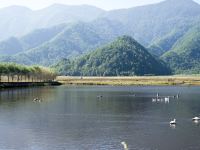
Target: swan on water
177 96
157 95
100 96
173 122
154 99
196 119
37 100
166 99
124 145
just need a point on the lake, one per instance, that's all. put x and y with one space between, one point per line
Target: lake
73 118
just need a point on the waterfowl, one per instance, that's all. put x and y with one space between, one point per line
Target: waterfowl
196 119
99 96
35 99
166 99
177 96
173 122
124 145
157 95
154 99
158 100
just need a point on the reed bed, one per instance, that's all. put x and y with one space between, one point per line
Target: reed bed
134 80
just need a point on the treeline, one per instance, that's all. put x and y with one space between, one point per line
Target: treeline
11 72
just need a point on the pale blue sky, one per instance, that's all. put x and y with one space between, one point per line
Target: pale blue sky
105 4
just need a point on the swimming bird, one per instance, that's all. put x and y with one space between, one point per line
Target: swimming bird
173 122
177 96
37 100
196 119
154 99
157 95
166 99
100 96
124 145
158 100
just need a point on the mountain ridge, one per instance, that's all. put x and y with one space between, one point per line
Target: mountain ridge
122 57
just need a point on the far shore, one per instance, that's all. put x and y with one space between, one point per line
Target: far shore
184 80
27 84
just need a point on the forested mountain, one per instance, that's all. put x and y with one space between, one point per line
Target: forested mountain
65 32
18 21
164 44
185 55
124 56
153 22
71 42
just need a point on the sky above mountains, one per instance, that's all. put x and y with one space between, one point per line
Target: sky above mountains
104 4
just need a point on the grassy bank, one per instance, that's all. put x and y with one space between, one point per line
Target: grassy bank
146 80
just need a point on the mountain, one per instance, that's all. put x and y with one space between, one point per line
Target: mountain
70 42
164 44
151 23
18 21
16 45
70 31
184 57
124 56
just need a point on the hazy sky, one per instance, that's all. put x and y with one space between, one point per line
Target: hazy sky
105 4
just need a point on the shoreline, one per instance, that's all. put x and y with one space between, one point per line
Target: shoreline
135 81
27 84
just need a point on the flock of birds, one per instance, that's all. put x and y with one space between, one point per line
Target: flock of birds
195 119
172 122
37 100
164 99
167 100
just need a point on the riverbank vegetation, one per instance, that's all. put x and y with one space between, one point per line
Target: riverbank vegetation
11 72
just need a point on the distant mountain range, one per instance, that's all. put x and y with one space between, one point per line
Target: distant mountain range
18 21
67 42
46 36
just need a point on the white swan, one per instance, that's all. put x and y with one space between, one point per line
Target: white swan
173 122
166 99
124 145
196 119
158 100
157 95
154 99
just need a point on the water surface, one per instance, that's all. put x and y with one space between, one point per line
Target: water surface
73 118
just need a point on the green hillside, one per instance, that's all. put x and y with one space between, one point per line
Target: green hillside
72 41
152 22
185 54
123 57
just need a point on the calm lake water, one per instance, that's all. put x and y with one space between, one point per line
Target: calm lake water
73 118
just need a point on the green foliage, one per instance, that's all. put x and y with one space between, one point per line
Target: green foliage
74 40
152 22
16 69
164 44
185 55
123 57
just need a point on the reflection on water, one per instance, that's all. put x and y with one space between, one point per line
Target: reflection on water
74 118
